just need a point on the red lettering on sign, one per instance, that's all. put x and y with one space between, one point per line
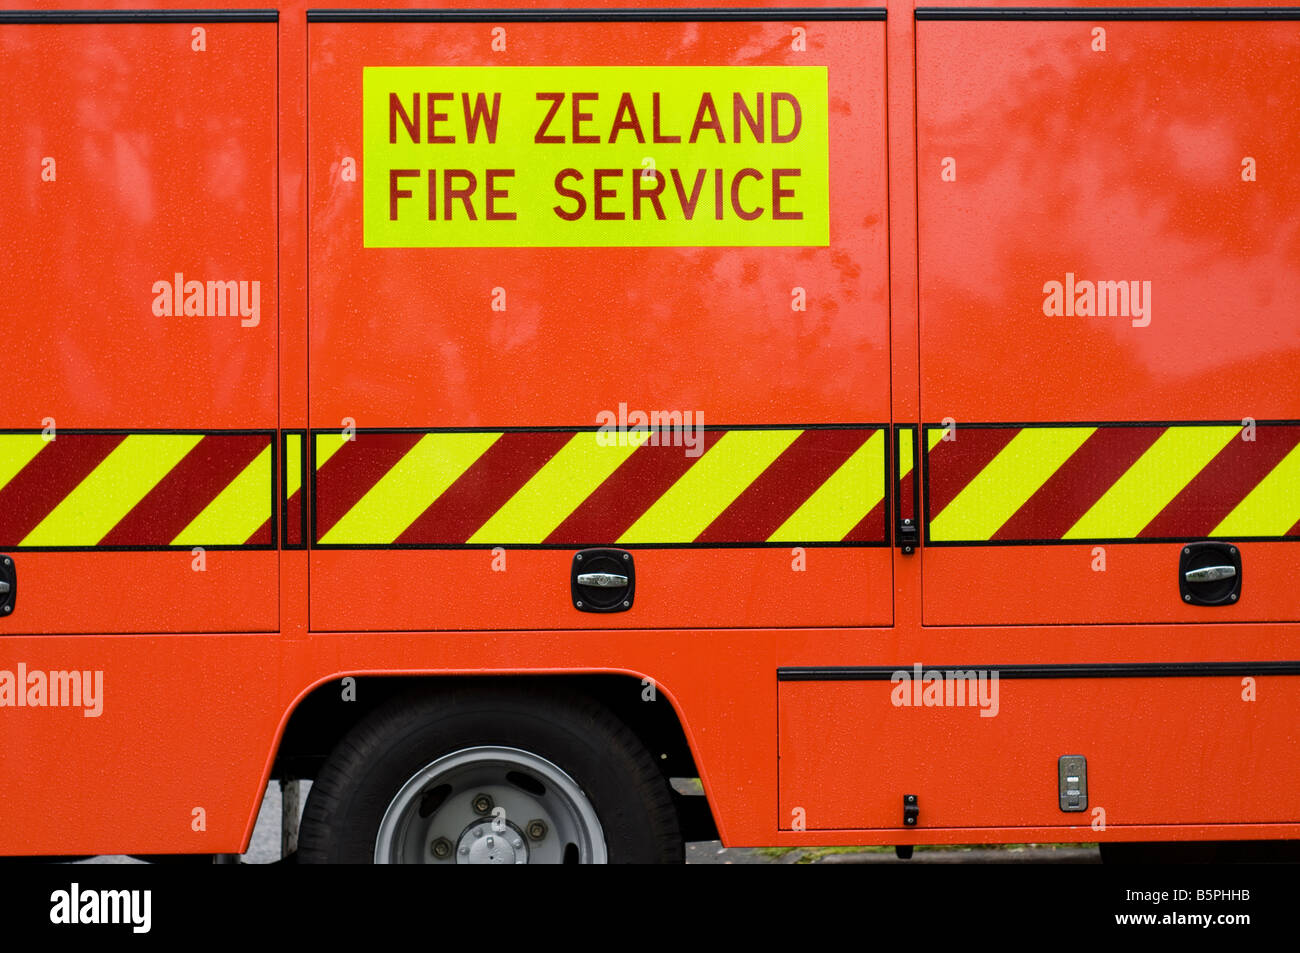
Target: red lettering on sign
556 100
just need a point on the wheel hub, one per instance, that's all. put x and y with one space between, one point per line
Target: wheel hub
467 807
490 842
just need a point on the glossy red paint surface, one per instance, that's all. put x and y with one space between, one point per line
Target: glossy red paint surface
163 163
409 337
1124 164
194 706
1000 771
130 158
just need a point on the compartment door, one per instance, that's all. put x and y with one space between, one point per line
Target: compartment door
987 755
139 281
1109 264
524 231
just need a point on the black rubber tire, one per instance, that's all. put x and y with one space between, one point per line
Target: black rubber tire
363 774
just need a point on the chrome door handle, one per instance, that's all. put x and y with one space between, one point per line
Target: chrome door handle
1210 573
602 580
4 588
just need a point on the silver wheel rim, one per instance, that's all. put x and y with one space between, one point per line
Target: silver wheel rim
490 805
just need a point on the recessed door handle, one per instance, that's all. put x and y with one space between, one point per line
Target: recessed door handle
602 580
1210 573
4 588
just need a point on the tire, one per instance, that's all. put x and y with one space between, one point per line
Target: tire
409 784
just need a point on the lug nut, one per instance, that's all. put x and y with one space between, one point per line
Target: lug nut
441 848
536 830
482 804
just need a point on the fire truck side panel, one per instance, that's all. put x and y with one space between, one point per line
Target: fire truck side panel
140 278
204 536
495 338
1109 261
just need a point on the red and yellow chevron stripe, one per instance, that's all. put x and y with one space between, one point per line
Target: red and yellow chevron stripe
144 490
1085 483
907 479
291 480
442 488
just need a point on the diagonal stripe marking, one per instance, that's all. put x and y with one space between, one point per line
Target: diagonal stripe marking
16 451
1156 478
1272 508
328 444
237 512
1011 478
89 512
904 453
839 504
556 490
408 489
292 465
709 486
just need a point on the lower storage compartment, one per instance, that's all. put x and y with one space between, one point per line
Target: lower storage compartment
1216 745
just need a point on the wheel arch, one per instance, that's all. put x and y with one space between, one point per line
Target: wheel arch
320 717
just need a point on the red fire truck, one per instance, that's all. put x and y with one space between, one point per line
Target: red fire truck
504 418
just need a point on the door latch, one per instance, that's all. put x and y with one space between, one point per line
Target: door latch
1072 782
911 810
1209 573
8 585
909 535
602 580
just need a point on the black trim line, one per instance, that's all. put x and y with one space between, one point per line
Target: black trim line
1100 540
1061 424
148 431
684 15
600 544
591 428
884 673
1108 13
224 548
139 16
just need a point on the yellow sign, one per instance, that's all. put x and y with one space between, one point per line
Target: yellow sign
570 156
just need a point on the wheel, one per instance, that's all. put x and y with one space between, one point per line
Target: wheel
490 776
